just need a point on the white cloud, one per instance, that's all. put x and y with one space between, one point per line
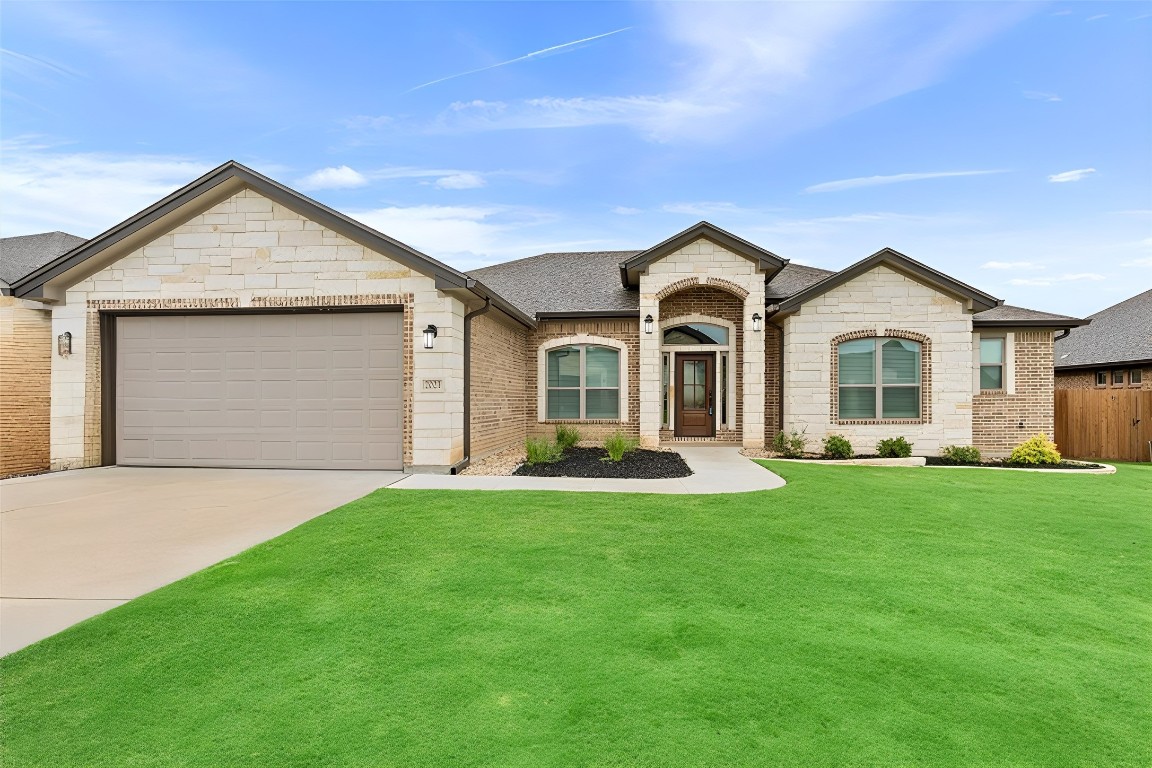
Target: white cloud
1097 17
1145 262
623 210
462 180
704 208
898 178
45 189
1041 282
1041 96
1066 176
1014 265
341 177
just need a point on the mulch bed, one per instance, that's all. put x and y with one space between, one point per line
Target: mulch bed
593 462
940 461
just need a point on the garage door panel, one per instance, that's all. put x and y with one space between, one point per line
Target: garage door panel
288 390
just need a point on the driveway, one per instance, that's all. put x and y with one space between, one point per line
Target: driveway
75 544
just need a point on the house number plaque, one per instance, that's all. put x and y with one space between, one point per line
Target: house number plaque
434 385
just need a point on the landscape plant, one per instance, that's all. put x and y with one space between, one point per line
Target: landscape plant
617 444
566 436
1036 450
790 445
837 447
541 450
894 448
961 454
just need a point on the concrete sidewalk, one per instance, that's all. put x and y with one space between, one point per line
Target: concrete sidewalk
714 470
78 543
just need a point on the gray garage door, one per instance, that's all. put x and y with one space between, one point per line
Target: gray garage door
300 391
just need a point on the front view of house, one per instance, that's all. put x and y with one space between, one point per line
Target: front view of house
237 323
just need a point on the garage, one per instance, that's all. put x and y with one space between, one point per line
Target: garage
294 390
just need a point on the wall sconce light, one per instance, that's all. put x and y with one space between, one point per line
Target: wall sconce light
64 344
756 321
648 324
429 336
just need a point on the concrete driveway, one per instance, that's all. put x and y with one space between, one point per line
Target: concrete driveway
75 544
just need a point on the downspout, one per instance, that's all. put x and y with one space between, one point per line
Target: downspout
1062 335
463 463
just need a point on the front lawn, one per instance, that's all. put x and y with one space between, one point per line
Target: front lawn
858 616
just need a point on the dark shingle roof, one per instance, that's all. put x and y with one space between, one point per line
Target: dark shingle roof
1006 314
563 282
1120 334
22 255
794 278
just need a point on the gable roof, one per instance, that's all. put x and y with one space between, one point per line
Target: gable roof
1121 333
1008 316
578 282
976 299
26 253
219 184
631 268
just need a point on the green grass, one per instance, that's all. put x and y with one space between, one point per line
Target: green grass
858 616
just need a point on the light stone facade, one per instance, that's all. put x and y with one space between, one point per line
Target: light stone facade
876 302
703 263
249 251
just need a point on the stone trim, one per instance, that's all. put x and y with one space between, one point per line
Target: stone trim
577 340
679 285
729 286
925 375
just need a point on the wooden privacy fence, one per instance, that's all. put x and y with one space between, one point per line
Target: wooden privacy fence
1104 423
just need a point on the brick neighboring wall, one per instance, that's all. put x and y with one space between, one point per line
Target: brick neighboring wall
499 392
997 416
626 330
772 373
1087 379
714 302
25 386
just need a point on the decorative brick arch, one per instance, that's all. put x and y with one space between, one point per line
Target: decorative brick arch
728 285
888 333
679 285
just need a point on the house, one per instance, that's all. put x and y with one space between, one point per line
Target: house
239 323
25 354
1104 384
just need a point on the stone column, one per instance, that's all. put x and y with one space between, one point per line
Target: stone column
753 369
651 381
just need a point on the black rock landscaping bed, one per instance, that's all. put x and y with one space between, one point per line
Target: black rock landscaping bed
593 462
940 461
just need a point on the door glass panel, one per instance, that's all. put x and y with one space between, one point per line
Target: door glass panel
694 394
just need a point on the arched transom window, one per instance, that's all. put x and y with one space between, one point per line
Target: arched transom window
583 382
695 333
879 378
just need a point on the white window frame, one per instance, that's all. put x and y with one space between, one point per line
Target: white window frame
580 340
878 381
1002 365
1009 362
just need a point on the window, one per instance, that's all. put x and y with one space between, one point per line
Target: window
1135 377
879 377
1117 378
991 363
696 333
583 383
1101 378
667 367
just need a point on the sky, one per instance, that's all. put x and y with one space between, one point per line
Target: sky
1007 144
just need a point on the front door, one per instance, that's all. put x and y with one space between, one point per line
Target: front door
695 395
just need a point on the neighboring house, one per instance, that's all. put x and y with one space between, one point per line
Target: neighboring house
239 323
1104 384
25 354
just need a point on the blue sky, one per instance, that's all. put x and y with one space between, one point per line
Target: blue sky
1009 145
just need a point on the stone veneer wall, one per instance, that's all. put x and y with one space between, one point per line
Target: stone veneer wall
26 351
249 251
498 366
1087 379
713 302
626 330
1003 420
871 304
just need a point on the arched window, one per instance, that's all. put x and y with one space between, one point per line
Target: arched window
879 378
583 382
695 333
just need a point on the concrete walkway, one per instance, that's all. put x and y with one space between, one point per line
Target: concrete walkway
75 544
714 470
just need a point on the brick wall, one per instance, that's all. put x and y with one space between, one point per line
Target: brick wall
26 350
773 335
498 368
1000 420
1087 379
625 330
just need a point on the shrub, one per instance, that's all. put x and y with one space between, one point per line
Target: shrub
789 445
1035 450
837 447
542 451
566 437
961 454
894 448
618 444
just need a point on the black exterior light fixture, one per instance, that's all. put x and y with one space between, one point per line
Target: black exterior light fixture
64 344
756 321
429 336
648 324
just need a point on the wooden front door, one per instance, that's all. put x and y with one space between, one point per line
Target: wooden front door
695 395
